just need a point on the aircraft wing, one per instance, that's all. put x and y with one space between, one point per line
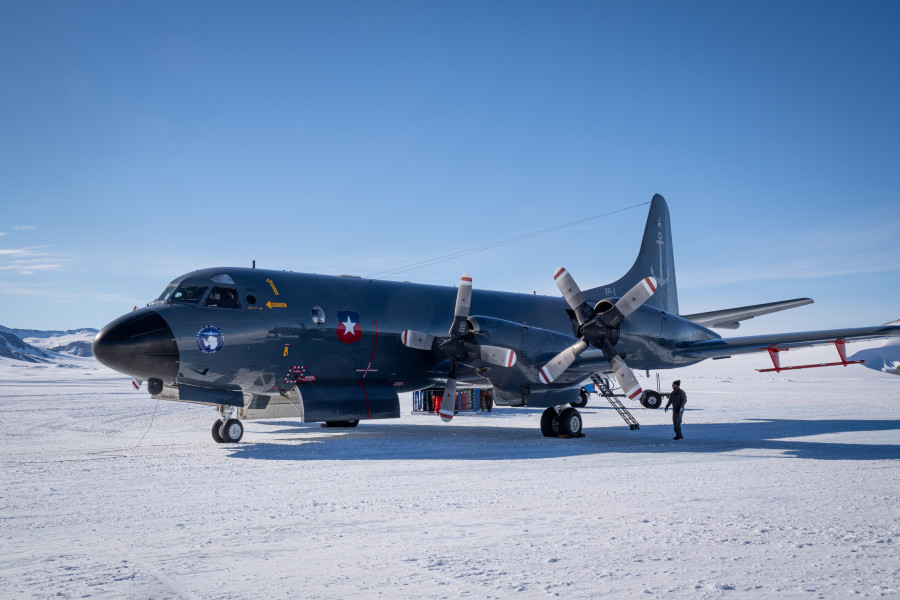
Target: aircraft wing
724 347
730 318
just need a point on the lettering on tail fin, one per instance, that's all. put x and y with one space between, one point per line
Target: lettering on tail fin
661 242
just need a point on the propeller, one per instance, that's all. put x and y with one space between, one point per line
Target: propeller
460 347
599 329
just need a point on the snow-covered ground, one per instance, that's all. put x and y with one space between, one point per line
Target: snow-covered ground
785 486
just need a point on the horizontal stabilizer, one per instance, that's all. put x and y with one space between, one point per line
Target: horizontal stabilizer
730 318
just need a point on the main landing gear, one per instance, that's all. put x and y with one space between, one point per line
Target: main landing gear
561 421
227 430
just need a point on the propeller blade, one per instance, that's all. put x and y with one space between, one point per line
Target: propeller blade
448 402
630 302
137 383
562 361
627 381
464 296
572 293
416 339
502 357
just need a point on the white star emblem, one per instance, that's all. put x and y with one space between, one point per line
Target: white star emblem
349 326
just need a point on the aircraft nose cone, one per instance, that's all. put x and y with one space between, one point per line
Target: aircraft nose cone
140 344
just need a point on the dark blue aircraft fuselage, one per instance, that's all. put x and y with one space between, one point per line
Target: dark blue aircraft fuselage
314 331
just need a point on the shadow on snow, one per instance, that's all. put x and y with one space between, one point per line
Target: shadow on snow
382 440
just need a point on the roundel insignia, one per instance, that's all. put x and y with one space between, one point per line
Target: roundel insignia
210 339
349 329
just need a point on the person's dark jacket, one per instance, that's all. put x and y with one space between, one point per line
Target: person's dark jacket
677 399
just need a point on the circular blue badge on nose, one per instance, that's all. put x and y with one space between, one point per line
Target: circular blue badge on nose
210 339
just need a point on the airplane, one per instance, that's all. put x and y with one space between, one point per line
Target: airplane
258 343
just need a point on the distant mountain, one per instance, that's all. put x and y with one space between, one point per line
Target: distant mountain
36 333
76 348
12 346
885 357
76 342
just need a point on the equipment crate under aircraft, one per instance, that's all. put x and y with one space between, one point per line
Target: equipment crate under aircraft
467 400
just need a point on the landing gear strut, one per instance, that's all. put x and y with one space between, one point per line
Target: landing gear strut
227 430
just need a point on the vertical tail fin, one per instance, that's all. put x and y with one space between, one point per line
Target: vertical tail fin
656 258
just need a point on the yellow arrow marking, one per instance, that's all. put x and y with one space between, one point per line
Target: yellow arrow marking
274 289
276 304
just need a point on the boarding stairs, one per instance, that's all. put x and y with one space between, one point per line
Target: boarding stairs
601 384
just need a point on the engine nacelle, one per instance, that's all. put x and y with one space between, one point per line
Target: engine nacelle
527 341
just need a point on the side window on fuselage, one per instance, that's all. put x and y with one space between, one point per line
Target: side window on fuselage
223 297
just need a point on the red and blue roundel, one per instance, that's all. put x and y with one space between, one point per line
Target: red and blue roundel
210 339
348 328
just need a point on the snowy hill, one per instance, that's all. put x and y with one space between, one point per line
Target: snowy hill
37 333
75 342
36 346
12 346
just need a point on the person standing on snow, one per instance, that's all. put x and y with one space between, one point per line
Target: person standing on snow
677 400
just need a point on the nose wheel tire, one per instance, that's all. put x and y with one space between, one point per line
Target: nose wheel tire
582 399
651 399
216 431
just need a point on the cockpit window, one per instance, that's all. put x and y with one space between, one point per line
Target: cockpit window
188 293
223 297
166 293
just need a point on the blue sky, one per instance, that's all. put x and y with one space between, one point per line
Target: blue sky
139 141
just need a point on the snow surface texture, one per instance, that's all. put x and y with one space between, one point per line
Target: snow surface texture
784 487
